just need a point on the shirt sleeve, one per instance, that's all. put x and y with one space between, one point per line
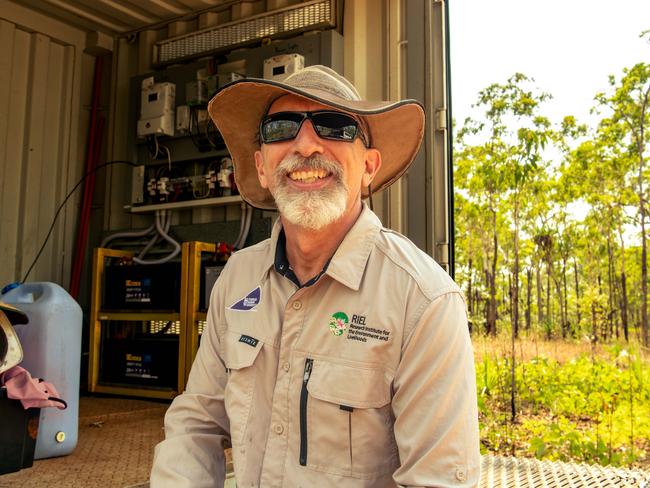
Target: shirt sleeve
434 402
196 424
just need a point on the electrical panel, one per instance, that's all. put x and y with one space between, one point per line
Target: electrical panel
278 68
157 107
155 184
181 154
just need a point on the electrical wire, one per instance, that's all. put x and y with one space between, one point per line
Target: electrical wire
120 235
245 225
67 197
166 224
160 214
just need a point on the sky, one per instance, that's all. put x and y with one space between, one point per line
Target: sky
568 46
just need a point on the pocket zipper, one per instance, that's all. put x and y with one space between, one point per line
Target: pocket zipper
303 412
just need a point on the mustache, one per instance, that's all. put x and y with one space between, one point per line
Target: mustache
295 162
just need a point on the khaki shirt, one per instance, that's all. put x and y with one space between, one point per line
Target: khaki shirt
363 379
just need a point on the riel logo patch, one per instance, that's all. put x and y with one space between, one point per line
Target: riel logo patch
338 323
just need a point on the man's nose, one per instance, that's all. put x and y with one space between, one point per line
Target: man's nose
307 142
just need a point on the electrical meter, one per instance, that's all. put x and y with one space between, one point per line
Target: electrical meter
280 67
157 107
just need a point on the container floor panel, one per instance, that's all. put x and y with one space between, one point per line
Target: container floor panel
117 437
114 448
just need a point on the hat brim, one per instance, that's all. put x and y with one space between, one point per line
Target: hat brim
14 315
395 129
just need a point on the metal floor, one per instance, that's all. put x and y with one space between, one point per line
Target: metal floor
115 448
532 473
117 437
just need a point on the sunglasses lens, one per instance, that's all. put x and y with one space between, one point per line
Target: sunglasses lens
283 126
334 125
280 127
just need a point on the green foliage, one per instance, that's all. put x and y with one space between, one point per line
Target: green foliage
561 202
589 409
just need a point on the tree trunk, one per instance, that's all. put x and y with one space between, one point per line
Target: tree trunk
624 307
624 303
565 313
515 284
540 304
491 322
469 289
610 288
549 312
560 297
640 145
575 274
529 275
644 281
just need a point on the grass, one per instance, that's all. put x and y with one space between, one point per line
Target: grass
575 401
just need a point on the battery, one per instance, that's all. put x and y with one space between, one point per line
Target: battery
142 287
143 361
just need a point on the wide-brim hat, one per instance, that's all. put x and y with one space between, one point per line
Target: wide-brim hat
11 352
14 315
394 128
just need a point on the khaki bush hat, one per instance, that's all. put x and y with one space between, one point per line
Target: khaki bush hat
394 128
14 315
11 353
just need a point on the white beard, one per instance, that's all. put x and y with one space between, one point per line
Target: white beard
310 209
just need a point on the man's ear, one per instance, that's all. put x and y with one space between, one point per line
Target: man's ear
372 165
259 165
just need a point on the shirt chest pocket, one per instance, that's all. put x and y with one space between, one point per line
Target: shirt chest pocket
346 420
240 355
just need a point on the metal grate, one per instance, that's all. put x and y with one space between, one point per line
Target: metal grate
201 327
158 326
512 472
302 17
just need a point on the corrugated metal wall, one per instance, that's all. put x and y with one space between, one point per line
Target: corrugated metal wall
40 112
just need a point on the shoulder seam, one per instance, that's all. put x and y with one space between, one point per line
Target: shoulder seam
426 291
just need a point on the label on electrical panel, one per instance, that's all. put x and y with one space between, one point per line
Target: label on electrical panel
137 291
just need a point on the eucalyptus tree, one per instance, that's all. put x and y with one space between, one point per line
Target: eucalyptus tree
628 99
512 134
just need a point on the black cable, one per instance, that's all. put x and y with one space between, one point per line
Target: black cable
58 210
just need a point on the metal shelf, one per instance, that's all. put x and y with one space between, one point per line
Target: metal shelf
149 392
203 202
175 316
98 317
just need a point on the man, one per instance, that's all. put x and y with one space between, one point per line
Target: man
336 353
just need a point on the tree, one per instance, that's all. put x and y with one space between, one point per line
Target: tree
628 102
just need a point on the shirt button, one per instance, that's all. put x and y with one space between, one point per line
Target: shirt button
286 367
278 429
461 475
297 305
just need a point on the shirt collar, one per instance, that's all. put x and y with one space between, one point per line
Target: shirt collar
348 263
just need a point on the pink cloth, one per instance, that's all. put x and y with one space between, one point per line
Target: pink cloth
32 392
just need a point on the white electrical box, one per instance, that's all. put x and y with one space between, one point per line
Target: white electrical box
182 119
280 67
157 107
137 185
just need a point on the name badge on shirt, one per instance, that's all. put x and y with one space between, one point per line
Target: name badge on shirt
251 341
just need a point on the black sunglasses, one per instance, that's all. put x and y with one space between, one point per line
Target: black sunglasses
328 124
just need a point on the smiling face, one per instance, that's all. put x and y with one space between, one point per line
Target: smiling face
315 182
